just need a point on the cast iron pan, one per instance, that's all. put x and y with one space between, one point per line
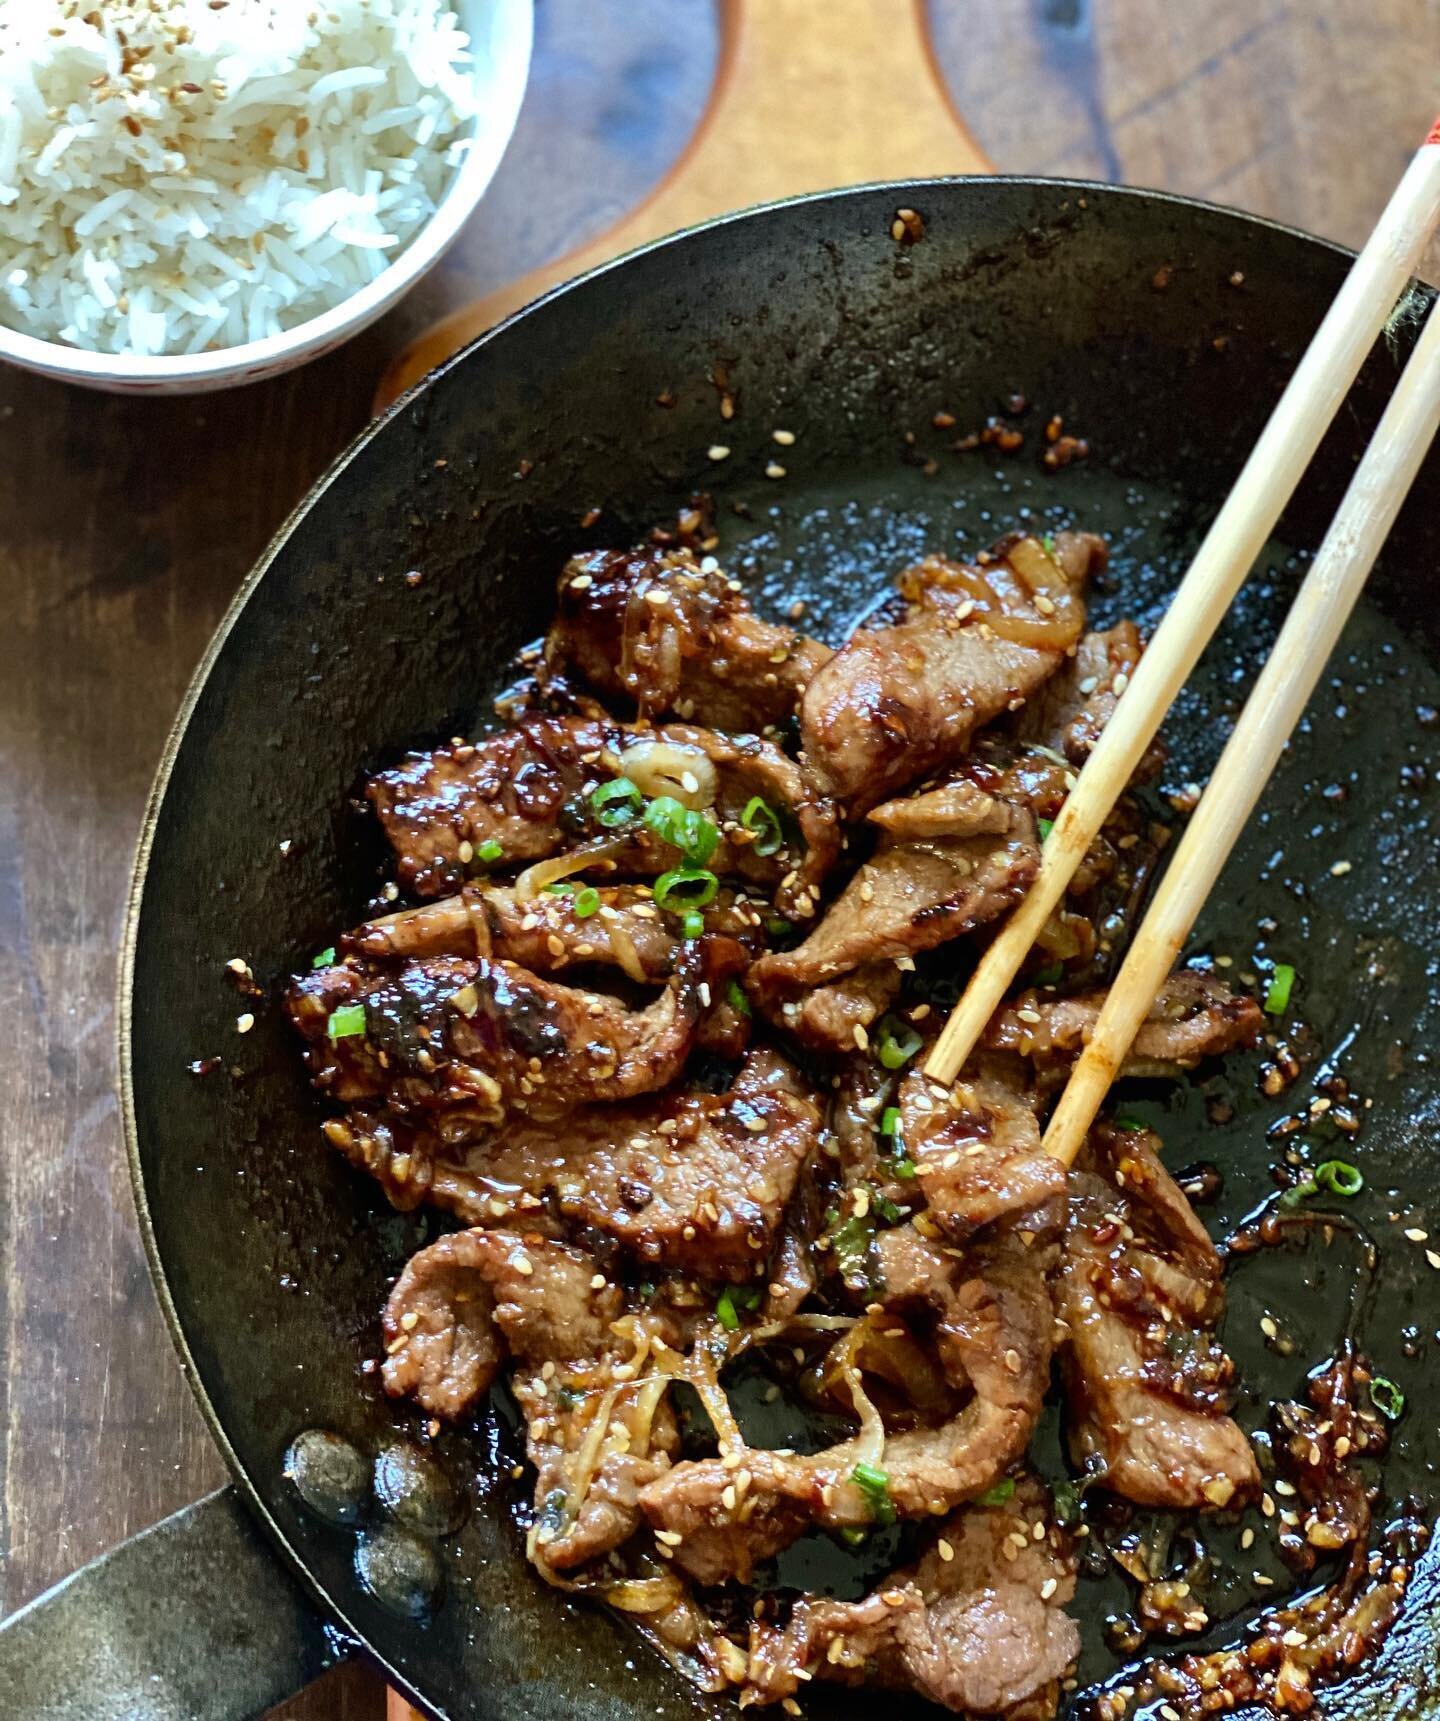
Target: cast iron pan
272 1259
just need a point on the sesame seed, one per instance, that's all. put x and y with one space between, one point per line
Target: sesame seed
1416 1235
523 1265
1339 869
409 1321
1268 1327
243 1024
1433 1258
238 965
671 1538
1048 1589
718 451
1284 1488
785 438
1247 1537
774 470
944 1549
597 1281
1120 683
1293 1639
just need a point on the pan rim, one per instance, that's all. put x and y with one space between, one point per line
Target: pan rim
336 1612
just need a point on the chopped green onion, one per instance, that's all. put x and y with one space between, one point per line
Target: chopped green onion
890 1121
736 999
1047 543
685 887
692 924
566 1397
617 803
1066 1498
904 1169
1340 1177
1051 976
850 1243
683 828
1387 1398
778 928
875 1486
1130 1123
1045 826
1277 993
347 1020
325 958
760 816
886 1209
1298 1192
489 851
852 1537
898 1043
562 888
586 902
998 1495
731 1300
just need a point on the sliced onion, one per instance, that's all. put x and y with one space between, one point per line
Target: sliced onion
665 768
535 878
645 1595
869 1445
625 952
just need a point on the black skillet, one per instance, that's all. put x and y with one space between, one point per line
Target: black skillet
272 1259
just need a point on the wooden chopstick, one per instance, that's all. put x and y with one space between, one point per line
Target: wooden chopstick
1275 705
1270 476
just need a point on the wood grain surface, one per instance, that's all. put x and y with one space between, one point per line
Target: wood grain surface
125 527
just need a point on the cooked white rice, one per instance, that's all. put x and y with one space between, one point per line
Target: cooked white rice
177 176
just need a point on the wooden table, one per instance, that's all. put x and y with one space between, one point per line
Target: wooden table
125 527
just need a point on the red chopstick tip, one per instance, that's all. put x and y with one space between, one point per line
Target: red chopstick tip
1434 136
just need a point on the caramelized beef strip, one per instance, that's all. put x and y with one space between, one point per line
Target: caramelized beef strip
693 1181
827 1018
1069 711
1140 1293
686 1179
546 933
896 703
976 1152
528 789
1194 1017
979 1629
464 1303
912 895
993 1335
675 635
459 1045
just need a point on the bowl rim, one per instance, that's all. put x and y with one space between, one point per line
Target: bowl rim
477 168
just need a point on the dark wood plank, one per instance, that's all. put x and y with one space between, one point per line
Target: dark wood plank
125 526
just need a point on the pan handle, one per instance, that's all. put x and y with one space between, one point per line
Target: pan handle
805 98
193 1620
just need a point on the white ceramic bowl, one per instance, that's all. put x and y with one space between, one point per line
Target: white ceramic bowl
501 34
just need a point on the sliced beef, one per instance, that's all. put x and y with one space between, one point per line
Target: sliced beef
464 1303
1140 1293
461 1045
976 1152
588 1483
671 632
827 1018
547 933
690 1180
977 1625
597 1429
528 789
912 895
896 703
522 788
1068 713
1195 1016
993 1336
